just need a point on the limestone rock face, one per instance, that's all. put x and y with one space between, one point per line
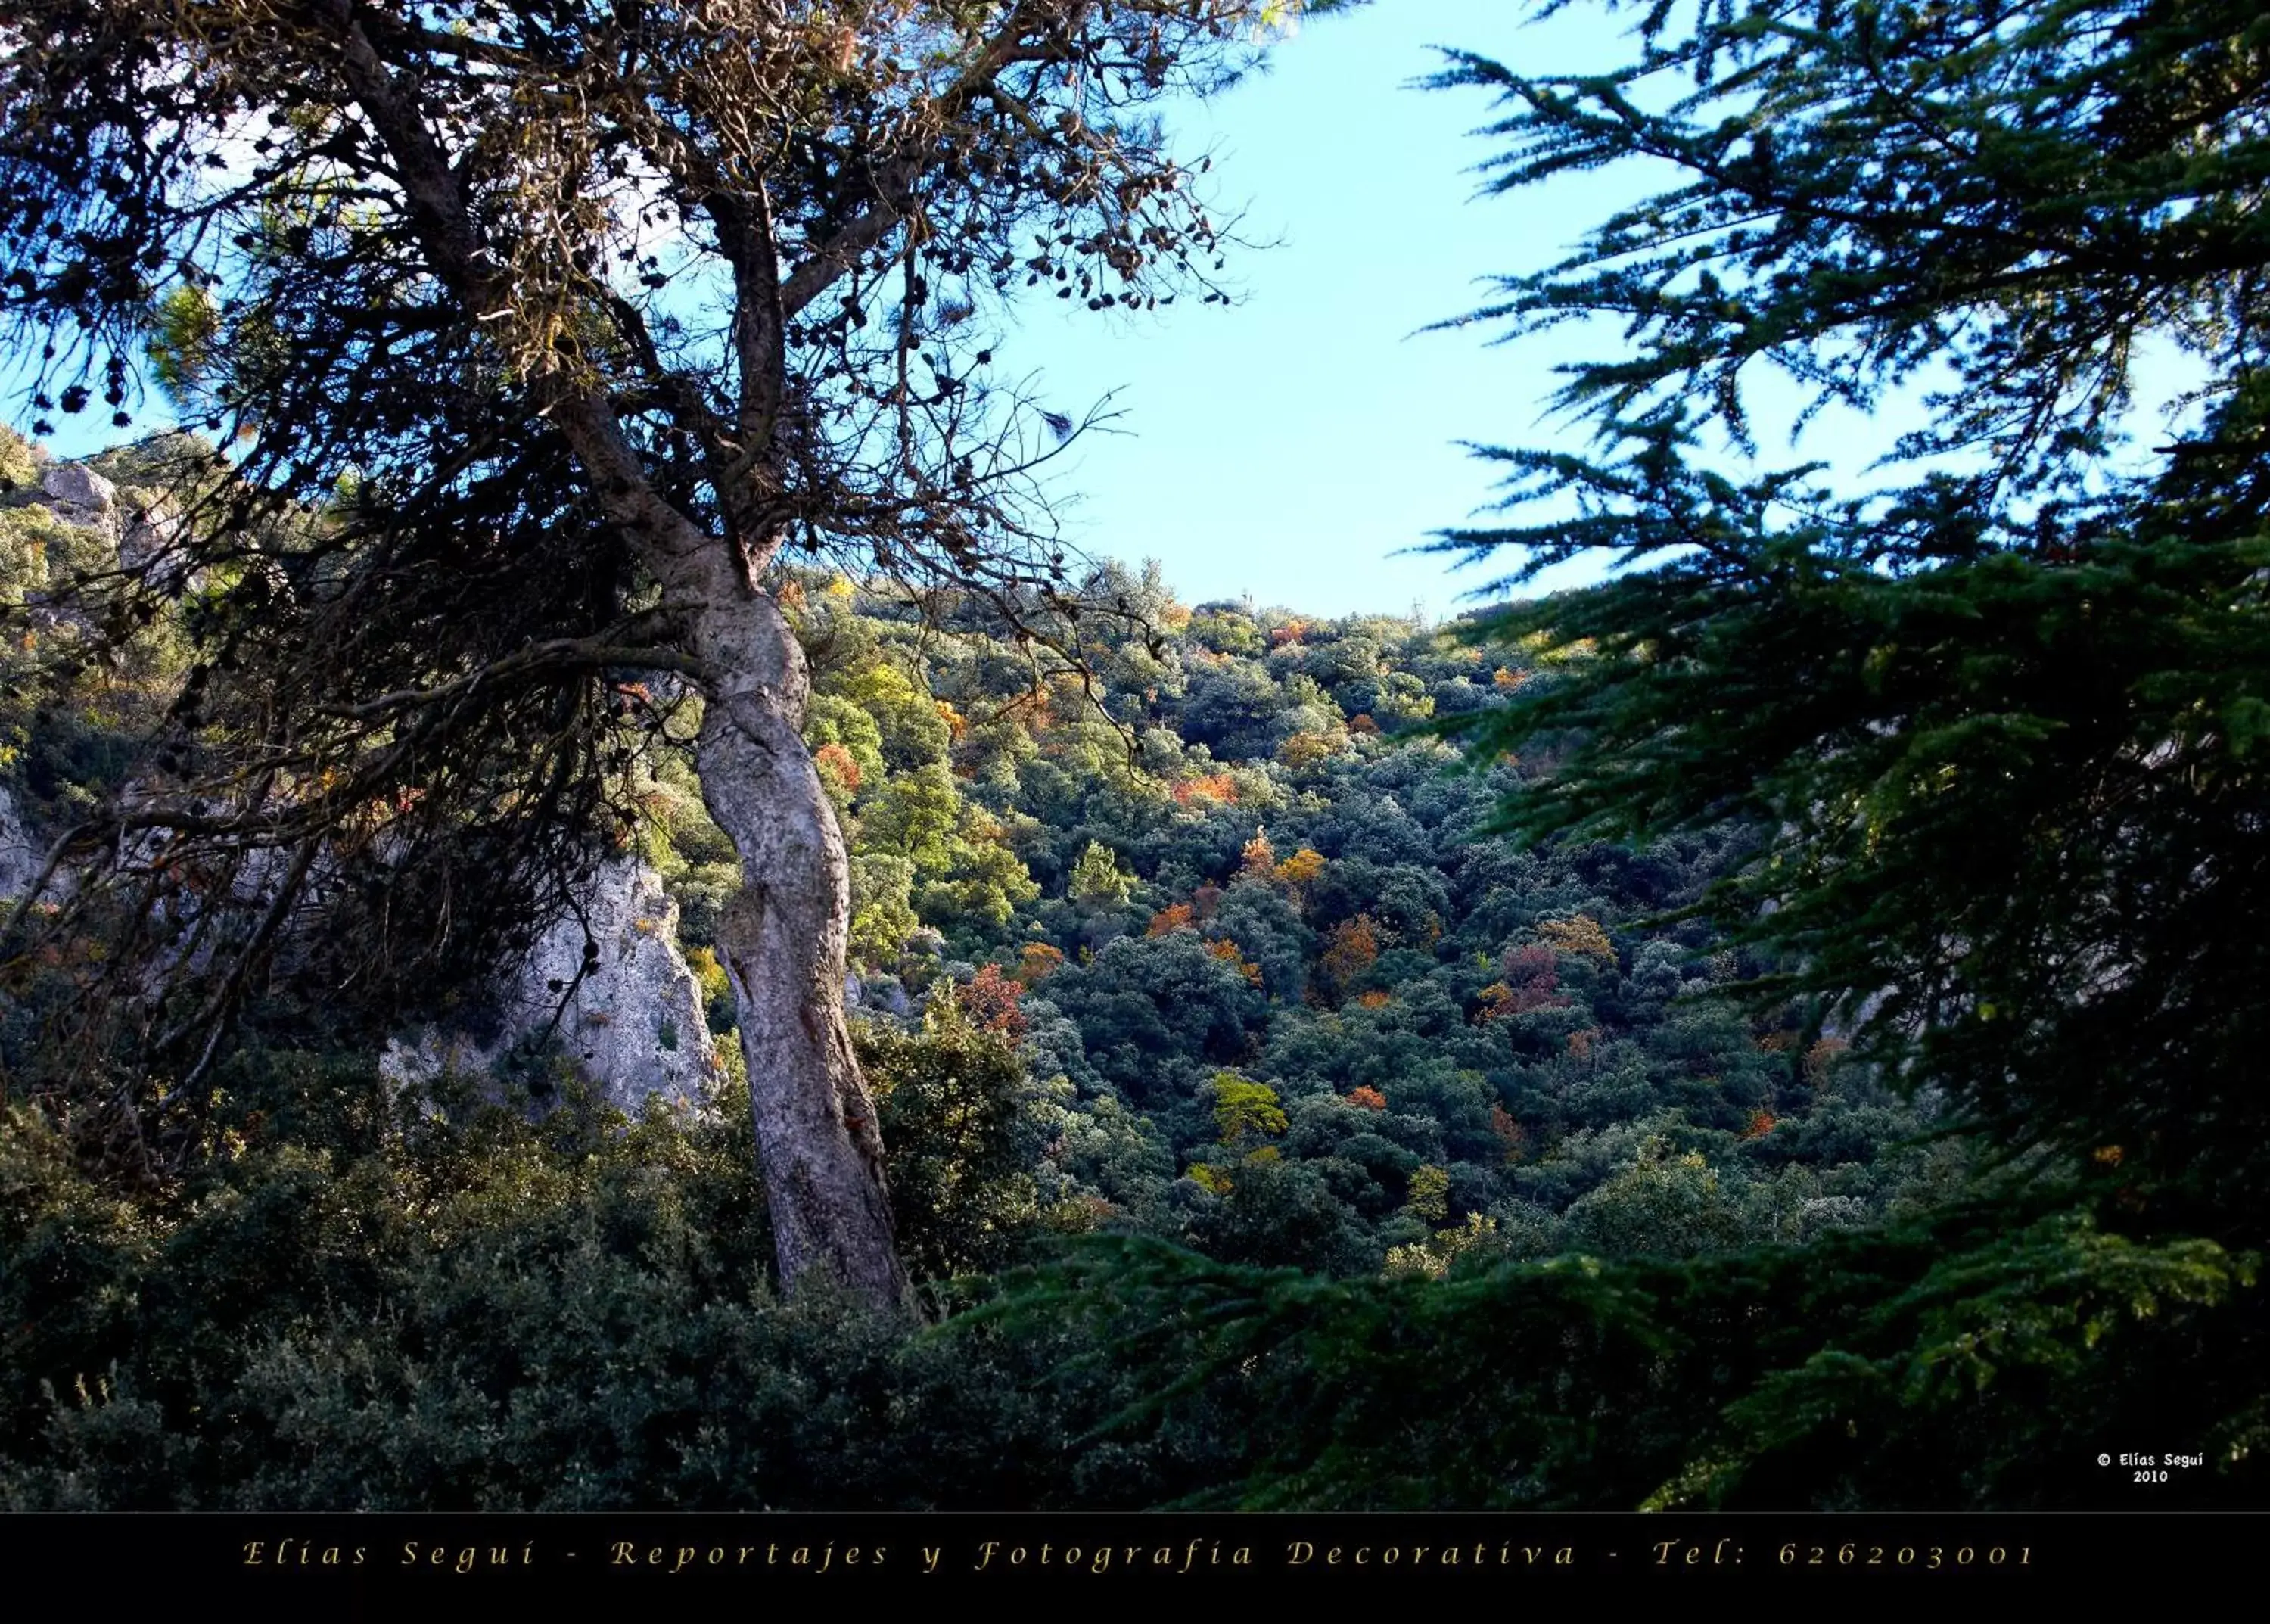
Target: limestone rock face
877 995
150 541
634 1025
152 544
81 495
19 858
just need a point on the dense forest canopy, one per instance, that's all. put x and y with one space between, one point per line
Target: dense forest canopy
1199 945
1708 1038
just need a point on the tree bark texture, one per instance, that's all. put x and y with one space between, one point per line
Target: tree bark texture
820 1149
783 944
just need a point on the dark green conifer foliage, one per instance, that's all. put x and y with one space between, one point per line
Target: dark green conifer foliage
1999 716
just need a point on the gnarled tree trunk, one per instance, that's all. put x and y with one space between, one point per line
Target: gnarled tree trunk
820 1150
784 941
783 944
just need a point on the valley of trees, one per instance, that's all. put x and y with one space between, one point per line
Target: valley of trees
1724 1037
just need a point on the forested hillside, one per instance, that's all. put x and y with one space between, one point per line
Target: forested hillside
1779 1026
1273 988
1207 943
1279 995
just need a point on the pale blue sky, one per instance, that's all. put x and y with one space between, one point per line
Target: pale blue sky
1291 445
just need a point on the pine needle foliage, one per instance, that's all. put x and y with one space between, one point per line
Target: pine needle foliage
1995 711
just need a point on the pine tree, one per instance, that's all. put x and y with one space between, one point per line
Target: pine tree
1998 719
539 337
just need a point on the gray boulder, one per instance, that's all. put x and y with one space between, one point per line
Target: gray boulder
80 494
883 995
152 544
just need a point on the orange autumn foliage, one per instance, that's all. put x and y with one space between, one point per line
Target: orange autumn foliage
994 1002
1354 947
1579 934
1531 981
1219 788
837 766
1037 962
1301 868
1227 952
1508 1131
1368 1098
1167 921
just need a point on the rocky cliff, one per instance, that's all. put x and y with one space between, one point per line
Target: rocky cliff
631 1019
633 1023
20 855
